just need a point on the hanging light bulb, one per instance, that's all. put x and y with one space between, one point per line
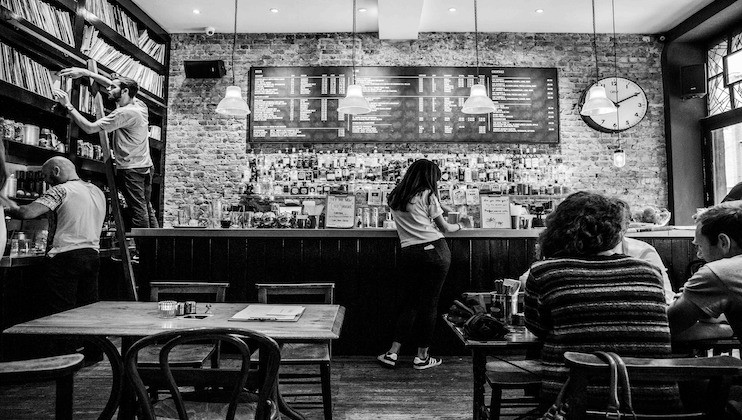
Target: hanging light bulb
596 101
478 102
619 158
354 103
233 104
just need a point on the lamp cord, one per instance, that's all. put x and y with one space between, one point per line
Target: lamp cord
234 40
595 45
476 37
354 42
615 66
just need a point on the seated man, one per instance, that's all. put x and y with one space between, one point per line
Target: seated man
716 288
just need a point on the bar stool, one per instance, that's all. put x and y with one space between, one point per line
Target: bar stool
513 375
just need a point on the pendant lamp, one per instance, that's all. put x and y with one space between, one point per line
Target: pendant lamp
233 104
478 101
596 101
354 103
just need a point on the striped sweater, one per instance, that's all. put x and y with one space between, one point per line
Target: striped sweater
609 303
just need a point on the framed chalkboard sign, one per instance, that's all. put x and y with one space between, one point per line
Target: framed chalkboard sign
409 104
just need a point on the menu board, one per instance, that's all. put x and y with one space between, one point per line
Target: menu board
409 104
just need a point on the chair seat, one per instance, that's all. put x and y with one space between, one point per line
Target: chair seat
210 410
525 372
38 370
185 355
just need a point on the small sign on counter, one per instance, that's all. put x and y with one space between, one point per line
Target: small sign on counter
495 212
341 211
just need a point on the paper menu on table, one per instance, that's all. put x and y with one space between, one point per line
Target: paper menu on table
261 312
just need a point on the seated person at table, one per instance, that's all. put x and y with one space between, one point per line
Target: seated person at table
584 297
716 288
637 249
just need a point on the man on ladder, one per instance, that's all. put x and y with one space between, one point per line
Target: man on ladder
129 123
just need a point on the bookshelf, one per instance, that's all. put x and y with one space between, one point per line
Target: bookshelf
40 37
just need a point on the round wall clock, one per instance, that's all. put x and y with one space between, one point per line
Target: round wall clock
631 104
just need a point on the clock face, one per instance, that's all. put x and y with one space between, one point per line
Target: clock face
631 104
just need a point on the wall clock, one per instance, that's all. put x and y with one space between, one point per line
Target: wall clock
630 100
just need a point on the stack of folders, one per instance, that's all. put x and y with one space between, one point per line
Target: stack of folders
258 312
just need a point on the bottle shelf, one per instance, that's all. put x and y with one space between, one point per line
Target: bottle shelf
28 154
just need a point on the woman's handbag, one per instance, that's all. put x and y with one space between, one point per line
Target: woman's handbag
617 408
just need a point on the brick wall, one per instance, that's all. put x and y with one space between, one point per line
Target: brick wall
206 152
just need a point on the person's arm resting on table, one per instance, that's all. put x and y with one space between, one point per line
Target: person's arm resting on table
683 314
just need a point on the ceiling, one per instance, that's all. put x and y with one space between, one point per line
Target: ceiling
404 19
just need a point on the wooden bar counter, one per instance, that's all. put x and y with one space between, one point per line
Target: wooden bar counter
361 262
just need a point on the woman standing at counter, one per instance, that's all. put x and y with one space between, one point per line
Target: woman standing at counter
425 259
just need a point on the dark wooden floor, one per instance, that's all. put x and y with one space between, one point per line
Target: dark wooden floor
361 390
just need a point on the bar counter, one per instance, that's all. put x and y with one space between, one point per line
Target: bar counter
361 262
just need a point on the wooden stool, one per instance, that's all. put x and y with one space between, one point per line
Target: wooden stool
517 374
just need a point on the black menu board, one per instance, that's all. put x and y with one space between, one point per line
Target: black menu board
409 104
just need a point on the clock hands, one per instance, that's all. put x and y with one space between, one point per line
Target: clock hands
625 99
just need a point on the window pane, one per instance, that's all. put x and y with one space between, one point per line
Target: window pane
715 58
726 159
737 95
718 97
737 42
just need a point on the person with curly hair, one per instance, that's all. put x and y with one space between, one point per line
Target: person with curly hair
583 296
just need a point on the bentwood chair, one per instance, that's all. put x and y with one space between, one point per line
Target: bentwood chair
718 370
513 375
304 354
60 369
244 392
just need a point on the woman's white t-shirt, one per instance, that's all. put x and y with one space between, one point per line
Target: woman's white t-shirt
416 225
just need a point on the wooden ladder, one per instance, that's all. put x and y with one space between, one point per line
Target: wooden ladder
114 194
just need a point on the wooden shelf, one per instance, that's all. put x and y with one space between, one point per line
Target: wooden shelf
91 165
153 101
19 95
30 39
124 45
156 144
27 154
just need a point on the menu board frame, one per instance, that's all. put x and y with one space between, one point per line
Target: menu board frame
527 99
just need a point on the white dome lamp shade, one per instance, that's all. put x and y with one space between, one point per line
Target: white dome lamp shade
597 102
233 105
478 101
354 103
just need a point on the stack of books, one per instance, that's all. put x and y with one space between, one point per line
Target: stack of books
56 22
24 72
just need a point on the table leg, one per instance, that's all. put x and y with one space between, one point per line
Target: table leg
127 409
117 371
479 364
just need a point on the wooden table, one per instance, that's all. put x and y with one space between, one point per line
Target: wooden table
520 340
133 320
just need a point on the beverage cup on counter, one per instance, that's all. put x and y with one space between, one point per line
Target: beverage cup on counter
515 222
167 308
453 216
183 217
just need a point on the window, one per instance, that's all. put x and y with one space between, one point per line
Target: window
726 159
724 63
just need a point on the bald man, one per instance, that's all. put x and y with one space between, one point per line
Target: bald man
76 211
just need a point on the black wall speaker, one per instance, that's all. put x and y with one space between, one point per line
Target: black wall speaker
693 81
205 69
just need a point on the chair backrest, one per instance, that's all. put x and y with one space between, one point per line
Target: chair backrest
182 288
719 369
246 341
289 291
